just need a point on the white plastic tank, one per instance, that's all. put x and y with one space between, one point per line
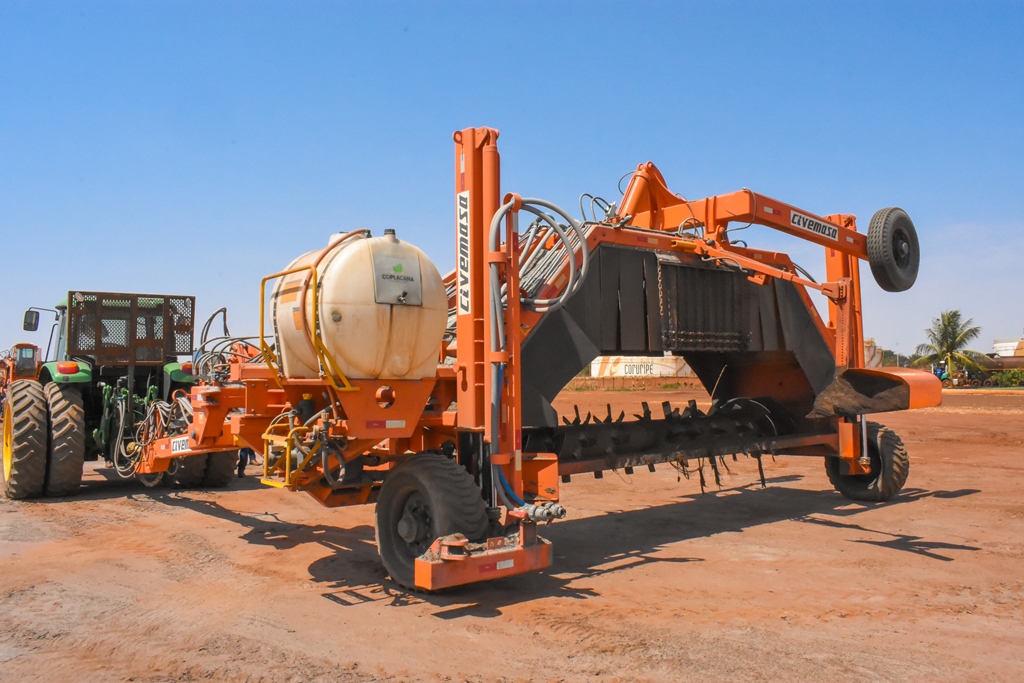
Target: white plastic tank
382 310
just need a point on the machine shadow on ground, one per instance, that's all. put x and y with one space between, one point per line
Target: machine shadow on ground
585 548
105 484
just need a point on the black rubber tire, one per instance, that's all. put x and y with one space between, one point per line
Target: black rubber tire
894 251
220 468
152 481
444 492
67 440
25 440
187 472
890 466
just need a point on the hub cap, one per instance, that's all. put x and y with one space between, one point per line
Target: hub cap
414 525
901 248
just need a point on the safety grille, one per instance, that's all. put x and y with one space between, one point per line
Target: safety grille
118 329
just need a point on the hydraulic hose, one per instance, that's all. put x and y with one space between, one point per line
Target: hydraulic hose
577 228
505 494
508 488
548 305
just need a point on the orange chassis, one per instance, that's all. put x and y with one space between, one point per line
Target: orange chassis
387 424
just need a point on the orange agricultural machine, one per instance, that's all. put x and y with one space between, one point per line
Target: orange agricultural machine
431 396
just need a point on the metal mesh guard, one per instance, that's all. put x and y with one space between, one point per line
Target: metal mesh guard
117 329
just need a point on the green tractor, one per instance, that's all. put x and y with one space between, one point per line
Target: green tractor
113 377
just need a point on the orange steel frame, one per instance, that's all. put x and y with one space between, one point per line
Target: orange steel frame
239 412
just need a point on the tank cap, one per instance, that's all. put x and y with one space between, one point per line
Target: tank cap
389 232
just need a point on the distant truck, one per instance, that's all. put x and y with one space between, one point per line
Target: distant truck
991 364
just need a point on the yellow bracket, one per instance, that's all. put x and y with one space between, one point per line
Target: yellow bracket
328 366
284 461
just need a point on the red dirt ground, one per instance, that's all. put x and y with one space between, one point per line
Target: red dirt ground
652 581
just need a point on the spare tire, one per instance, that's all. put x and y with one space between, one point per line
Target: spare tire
893 249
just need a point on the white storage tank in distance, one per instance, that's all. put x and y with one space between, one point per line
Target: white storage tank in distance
382 310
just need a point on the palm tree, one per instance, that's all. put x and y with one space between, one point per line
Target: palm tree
948 338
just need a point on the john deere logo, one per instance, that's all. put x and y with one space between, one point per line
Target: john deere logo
397 274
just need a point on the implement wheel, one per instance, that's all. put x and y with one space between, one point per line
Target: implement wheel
424 498
893 249
67 440
220 468
25 440
187 472
151 481
890 466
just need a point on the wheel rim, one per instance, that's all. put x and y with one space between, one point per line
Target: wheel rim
8 432
901 247
413 527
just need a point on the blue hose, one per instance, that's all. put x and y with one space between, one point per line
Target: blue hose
508 489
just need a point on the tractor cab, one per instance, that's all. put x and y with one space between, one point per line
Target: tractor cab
20 362
26 361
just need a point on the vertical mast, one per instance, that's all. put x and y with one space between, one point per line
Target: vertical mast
476 200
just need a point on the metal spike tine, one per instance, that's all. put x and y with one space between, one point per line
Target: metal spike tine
622 416
587 420
608 419
577 420
565 420
666 408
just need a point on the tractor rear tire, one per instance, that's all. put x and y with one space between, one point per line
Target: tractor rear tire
890 466
67 440
894 251
220 468
426 497
187 472
25 440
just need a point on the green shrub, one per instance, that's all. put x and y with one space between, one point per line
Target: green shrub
1010 378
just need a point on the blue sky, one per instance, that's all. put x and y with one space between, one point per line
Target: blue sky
193 147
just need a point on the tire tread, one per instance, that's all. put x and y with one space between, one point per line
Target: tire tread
28 440
67 440
880 254
449 485
189 472
220 468
891 476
